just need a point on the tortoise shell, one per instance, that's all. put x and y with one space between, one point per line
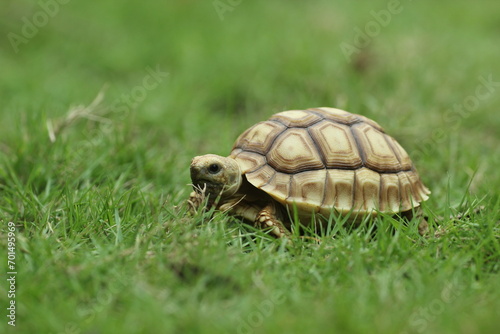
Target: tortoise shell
326 159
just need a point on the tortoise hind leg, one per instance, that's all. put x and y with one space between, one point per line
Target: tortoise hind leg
423 226
268 218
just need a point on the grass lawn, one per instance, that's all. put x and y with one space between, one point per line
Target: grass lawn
103 105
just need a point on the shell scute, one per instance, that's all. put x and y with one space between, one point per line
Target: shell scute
336 115
336 144
389 193
259 137
279 188
339 190
261 176
296 118
378 153
248 161
294 151
405 191
367 190
307 189
401 154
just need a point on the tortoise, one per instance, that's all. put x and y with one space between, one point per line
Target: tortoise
316 161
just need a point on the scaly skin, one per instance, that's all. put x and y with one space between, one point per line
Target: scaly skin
267 218
219 179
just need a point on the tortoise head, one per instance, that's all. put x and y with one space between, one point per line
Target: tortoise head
218 175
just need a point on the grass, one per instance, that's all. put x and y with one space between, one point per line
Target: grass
104 242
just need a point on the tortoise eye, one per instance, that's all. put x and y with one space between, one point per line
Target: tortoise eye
213 169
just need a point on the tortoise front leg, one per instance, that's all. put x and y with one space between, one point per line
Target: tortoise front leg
268 218
263 218
194 202
240 208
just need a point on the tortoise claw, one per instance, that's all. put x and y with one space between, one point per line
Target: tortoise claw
266 221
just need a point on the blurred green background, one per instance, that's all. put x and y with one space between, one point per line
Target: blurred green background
236 64
417 67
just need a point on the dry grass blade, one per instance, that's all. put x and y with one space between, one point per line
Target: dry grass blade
93 112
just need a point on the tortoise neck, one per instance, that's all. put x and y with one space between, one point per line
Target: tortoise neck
233 182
